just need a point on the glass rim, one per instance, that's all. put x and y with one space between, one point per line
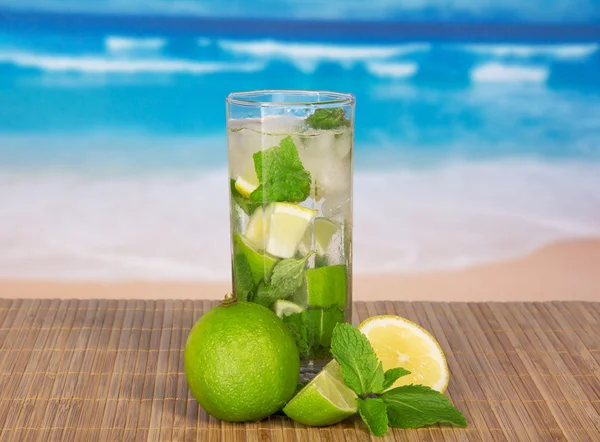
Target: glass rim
245 98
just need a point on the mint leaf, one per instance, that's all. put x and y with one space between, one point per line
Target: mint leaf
326 119
265 295
243 281
378 380
356 357
373 412
288 276
296 324
392 375
244 203
414 406
281 174
321 322
286 279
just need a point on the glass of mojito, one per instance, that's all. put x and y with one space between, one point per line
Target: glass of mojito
290 170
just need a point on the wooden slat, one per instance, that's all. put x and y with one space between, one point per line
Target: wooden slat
113 370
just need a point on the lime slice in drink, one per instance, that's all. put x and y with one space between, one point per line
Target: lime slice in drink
323 230
247 182
323 401
285 308
326 286
260 264
287 225
258 226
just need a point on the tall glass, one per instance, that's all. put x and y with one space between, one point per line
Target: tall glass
290 169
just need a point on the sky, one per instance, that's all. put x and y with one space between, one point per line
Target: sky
556 11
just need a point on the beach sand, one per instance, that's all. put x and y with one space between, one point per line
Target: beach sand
563 271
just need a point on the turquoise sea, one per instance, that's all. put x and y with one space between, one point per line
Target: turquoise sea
471 146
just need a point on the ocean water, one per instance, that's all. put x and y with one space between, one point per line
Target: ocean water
113 156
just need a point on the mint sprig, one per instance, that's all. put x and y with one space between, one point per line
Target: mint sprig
412 406
356 357
373 412
286 279
281 174
312 329
409 406
327 119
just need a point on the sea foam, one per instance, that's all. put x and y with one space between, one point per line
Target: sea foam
104 64
504 73
555 51
119 44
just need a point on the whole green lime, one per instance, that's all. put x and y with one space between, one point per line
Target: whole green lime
241 362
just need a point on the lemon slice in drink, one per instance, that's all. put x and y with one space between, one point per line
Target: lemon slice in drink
282 308
323 401
399 342
287 224
323 230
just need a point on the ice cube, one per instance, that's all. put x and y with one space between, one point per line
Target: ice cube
242 145
337 206
343 143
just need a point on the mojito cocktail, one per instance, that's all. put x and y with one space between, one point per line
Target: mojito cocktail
290 166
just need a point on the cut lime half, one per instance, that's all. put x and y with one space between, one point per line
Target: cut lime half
324 401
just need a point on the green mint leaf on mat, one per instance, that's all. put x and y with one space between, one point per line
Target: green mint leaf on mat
378 380
356 357
288 276
373 412
392 375
321 322
244 283
414 406
296 324
244 203
328 119
281 174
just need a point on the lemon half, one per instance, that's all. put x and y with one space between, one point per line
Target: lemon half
399 342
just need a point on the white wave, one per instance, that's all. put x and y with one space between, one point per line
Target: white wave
97 64
176 226
556 51
501 73
118 44
394 70
319 51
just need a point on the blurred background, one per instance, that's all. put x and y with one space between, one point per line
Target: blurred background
477 154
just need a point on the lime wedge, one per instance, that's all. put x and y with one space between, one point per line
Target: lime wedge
287 224
323 401
247 182
258 226
260 264
323 231
285 308
327 286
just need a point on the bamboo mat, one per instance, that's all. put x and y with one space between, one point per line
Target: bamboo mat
112 370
